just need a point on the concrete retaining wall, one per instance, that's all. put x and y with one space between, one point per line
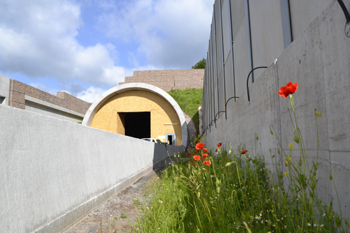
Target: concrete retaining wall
319 60
52 172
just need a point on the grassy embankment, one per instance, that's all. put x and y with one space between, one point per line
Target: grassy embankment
189 100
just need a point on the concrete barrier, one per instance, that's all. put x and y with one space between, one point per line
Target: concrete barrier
52 172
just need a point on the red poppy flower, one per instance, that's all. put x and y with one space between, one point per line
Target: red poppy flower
199 146
192 164
247 184
196 157
289 89
243 152
206 162
216 150
204 155
219 144
187 148
189 154
205 149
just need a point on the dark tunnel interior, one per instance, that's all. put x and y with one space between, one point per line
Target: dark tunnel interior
138 124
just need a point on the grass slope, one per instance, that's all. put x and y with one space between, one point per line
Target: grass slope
189 100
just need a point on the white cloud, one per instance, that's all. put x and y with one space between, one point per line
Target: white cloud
38 40
170 33
91 94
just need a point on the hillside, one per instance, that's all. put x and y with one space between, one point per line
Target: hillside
189 100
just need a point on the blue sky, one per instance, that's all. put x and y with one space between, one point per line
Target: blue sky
85 47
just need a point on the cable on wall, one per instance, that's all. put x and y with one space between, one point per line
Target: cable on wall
259 67
346 12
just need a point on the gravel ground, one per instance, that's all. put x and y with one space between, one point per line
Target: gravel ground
118 213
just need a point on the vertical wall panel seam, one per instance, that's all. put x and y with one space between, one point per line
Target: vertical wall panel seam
216 63
223 55
232 52
249 36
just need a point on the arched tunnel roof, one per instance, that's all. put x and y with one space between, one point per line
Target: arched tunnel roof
90 114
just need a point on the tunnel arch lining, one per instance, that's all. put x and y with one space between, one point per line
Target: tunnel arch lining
102 99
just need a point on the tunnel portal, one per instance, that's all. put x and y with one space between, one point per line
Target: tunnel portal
136 124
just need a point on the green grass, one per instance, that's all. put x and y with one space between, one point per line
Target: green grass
234 194
227 191
189 100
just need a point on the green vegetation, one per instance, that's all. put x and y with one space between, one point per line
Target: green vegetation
235 193
189 100
200 65
227 191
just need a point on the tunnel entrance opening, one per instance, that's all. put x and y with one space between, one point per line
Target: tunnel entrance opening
137 124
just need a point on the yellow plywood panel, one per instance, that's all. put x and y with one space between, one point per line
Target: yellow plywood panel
164 118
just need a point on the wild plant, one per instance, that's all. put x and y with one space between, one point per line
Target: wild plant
233 191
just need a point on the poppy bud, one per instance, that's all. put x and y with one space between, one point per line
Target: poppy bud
318 113
271 132
296 139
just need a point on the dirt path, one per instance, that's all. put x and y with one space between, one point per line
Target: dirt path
118 213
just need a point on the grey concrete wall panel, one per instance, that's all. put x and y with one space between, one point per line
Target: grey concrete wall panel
221 90
215 71
267 33
340 164
216 102
335 47
4 90
218 42
286 23
210 75
304 12
229 76
226 28
319 60
221 80
249 35
211 79
53 172
237 16
241 60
